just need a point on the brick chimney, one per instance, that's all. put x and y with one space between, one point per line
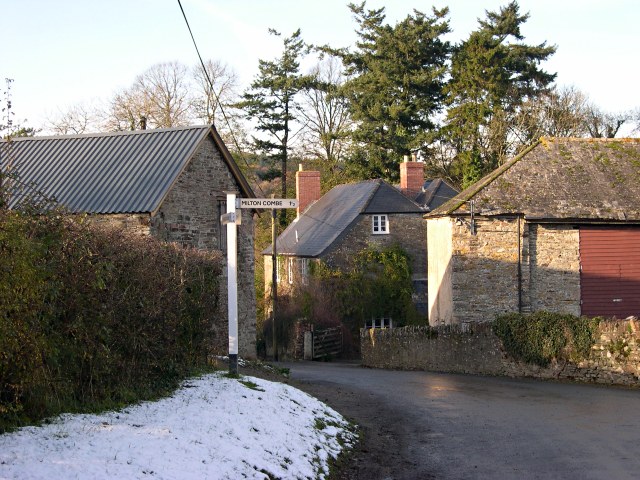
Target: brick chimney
307 188
411 177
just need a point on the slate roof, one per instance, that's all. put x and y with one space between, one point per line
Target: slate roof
561 179
325 220
122 172
434 193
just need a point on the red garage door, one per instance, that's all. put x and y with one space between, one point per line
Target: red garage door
610 271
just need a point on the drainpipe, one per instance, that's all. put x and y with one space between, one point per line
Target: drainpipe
519 267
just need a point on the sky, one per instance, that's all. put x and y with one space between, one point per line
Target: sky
213 427
82 51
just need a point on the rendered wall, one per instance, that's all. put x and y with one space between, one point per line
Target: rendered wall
439 256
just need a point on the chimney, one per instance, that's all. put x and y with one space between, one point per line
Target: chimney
411 176
307 188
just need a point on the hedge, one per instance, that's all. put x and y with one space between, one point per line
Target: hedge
542 337
94 317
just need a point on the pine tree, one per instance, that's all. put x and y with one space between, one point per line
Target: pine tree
492 74
270 101
396 86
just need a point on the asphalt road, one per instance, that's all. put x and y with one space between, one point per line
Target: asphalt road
421 425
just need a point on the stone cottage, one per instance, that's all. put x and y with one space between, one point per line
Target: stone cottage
351 217
557 228
167 183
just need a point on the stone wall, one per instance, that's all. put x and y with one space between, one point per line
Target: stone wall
554 268
484 270
509 265
475 349
138 223
409 231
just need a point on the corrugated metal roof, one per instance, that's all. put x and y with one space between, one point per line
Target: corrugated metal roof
123 172
324 221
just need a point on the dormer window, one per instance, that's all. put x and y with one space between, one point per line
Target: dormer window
380 224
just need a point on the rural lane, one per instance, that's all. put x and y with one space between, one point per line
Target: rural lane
422 425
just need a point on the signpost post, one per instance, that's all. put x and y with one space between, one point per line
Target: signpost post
232 220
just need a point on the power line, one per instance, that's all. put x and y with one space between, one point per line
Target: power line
224 115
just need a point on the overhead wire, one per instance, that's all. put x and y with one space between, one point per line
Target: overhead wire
206 73
236 143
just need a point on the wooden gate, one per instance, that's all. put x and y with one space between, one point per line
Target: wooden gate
327 343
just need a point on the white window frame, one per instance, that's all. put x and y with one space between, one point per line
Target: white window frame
380 224
290 261
379 322
278 269
304 270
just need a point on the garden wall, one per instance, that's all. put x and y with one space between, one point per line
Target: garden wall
475 349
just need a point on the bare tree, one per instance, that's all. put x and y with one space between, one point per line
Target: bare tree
325 113
76 119
601 124
160 96
214 103
561 112
635 118
222 91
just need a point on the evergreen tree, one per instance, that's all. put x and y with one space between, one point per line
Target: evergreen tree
396 86
270 101
492 74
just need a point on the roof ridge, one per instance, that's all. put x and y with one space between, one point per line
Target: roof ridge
545 139
106 134
374 190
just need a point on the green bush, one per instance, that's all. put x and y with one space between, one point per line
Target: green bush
92 316
541 337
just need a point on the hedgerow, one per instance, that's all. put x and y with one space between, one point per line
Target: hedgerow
94 317
541 337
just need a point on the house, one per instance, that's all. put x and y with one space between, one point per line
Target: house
348 219
556 228
167 183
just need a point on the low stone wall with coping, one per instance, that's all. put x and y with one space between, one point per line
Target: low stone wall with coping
475 349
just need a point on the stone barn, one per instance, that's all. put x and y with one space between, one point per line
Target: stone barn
167 183
557 228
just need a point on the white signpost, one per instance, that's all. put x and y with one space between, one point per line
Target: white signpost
232 220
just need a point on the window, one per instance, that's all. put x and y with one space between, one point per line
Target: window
290 269
380 224
304 270
222 229
380 322
278 269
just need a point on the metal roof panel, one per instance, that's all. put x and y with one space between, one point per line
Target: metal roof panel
123 172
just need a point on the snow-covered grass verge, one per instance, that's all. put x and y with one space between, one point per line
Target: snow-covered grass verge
212 427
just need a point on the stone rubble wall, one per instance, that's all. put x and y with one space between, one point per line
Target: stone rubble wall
475 349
